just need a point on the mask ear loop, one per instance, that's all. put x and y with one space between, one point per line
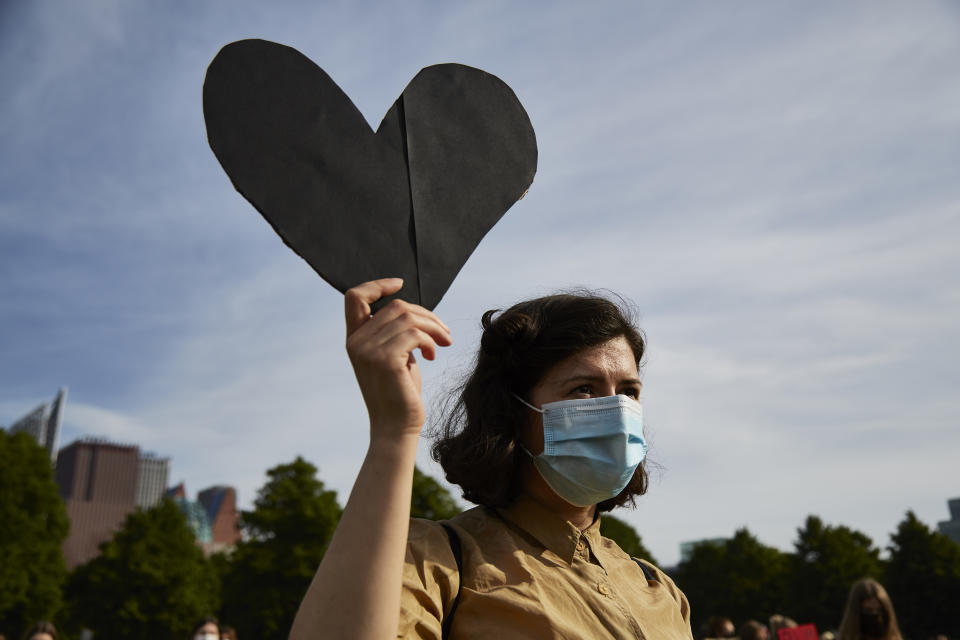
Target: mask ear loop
527 403
520 444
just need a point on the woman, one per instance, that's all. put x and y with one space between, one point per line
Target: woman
720 627
545 435
753 630
777 622
43 630
206 629
869 613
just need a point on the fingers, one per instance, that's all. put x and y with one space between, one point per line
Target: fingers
405 342
399 328
399 314
357 301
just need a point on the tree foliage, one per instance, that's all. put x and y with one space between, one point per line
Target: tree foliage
923 579
286 535
625 536
430 499
150 581
826 561
740 578
33 525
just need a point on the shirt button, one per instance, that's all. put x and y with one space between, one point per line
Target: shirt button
604 589
580 546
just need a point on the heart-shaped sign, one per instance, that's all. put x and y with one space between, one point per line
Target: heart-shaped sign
412 199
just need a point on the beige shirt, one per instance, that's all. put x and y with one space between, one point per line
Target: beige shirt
529 574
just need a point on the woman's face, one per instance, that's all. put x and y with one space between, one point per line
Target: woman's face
605 370
870 605
209 631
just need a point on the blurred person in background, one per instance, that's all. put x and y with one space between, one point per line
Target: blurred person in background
753 630
720 627
43 630
869 613
207 629
778 622
228 633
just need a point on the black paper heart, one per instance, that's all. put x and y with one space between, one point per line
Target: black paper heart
414 199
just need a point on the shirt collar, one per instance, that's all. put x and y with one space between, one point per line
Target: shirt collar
553 532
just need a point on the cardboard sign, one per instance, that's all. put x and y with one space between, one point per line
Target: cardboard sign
411 199
803 632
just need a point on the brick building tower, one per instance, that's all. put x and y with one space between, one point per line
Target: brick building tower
220 503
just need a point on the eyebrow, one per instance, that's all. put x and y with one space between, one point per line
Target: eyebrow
589 378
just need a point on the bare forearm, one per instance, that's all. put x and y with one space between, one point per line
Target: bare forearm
356 591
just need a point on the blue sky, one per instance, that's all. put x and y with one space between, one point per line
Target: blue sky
776 187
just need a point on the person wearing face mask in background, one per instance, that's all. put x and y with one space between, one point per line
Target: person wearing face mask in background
207 629
869 613
545 435
42 631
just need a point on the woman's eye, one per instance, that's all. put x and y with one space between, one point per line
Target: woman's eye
583 389
631 393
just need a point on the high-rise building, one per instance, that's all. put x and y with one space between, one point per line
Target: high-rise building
95 470
43 423
97 480
152 475
195 514
102 482
951 527
220 503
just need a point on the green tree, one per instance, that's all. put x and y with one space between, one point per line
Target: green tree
286 535
430 500
923 579
625 536
33 525
150 581
826 561
740 578
702 577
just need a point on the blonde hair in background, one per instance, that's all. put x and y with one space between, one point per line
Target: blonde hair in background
778 622
863 589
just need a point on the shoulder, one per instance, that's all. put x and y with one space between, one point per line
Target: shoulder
472 528
431 578
425 533
470 524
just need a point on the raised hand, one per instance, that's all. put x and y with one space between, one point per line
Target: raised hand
356 591
381 351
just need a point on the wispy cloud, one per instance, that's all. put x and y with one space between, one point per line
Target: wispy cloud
775 187
98 422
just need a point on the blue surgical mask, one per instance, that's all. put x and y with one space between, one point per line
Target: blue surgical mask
591 447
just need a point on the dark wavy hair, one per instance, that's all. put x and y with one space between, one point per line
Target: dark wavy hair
482 423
